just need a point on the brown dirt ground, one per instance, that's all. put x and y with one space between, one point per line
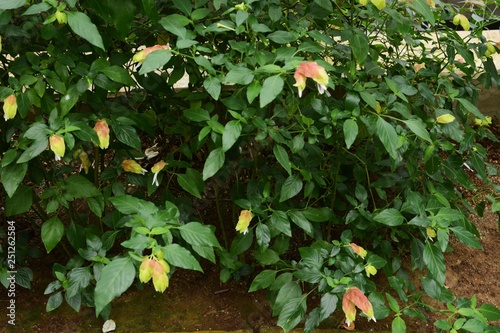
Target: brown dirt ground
196 301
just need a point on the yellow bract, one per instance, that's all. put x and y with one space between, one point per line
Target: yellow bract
370 270
445 119
244 221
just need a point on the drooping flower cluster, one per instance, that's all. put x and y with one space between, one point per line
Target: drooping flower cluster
310 69
156 269
244 221
355 298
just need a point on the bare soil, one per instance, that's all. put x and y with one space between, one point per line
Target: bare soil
199 301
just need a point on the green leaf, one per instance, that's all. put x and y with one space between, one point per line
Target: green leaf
263 235
418 127
282 37
350 132
434 260
253 90
263 280
11 4
292 313
118 74
291 187
466 237
181 257
214 162
20 202
490 312
474 325
390 216
52 232
299 219
78 186
213 86
192 182
54 300
36 148
232 132
154 60
12 175
115 279
387 134
198 234
127 204
393 304
469 106
184 6
128 135
239 75
282 158
271 88
82 26
68 100
37 8
398 324
197 115
279 220
328 305
241 243
359 45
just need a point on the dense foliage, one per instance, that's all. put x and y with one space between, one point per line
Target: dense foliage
340 130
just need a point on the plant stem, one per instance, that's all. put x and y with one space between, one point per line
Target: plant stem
219 215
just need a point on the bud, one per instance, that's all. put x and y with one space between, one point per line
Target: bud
462 20
490 49
133 166
370 270
431 233
102 130
244 221
445 118
57 146
61 17
84 158
10 107
380 4
358 250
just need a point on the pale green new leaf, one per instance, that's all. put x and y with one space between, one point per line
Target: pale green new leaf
398 325
82 26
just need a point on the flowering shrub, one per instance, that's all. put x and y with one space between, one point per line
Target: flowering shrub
352 170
